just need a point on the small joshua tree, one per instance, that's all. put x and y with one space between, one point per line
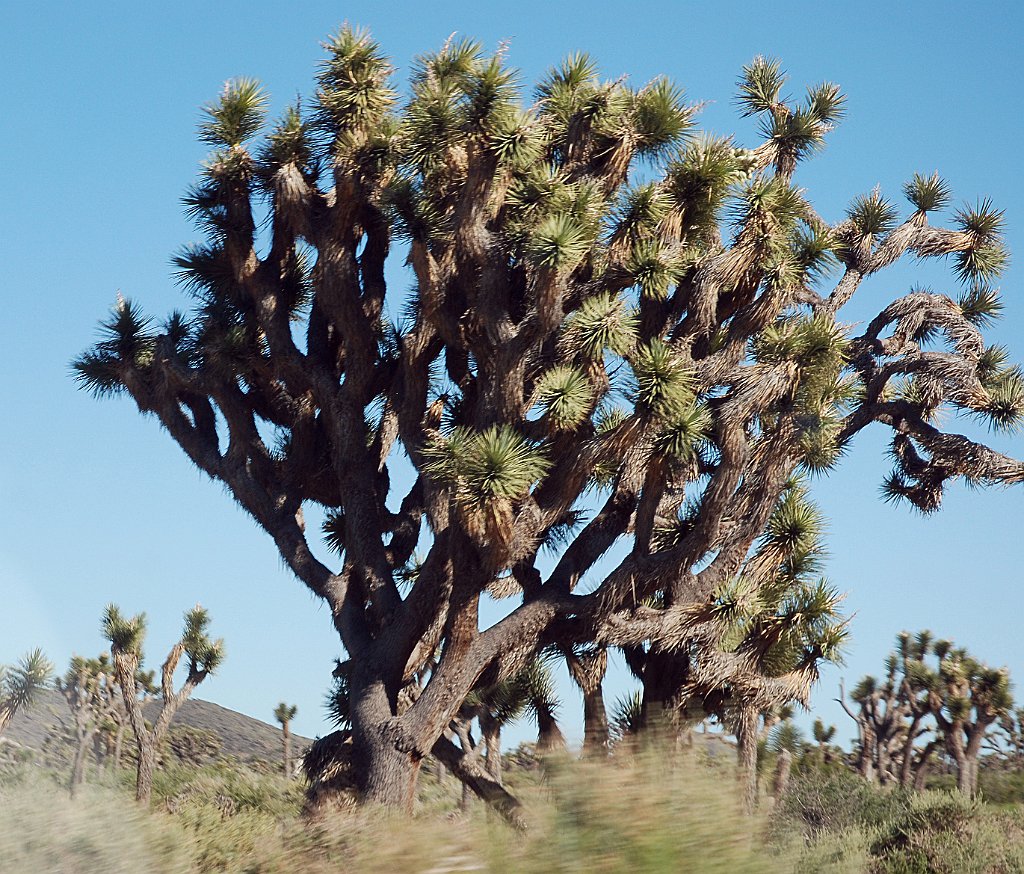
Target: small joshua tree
284 714
204 656
92 693
920 707
20 684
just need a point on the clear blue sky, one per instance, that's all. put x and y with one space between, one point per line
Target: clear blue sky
99 103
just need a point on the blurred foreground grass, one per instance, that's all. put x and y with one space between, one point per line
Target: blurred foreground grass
635 814
643 814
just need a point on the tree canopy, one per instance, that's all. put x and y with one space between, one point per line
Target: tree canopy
619 329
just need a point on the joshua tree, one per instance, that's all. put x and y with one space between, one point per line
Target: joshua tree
581 360
113 729
823 736
531 690
774 623
970 697
951 706
284 714
20 684
204 656
92 693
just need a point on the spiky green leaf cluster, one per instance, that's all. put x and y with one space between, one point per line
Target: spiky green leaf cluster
639 212
928 193
761 85
813 341
872 215
602 322
123 633
125 342
204 653
700 180
653 268
353 90
497 463
237 116
20 684
566 396
661 117
663 380
558 243
981 305
986 257
686 433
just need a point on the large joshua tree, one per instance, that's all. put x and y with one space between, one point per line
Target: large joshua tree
617 327
203 656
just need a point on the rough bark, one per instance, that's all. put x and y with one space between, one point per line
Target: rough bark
78 765
746 754
780 781
286 739
145 768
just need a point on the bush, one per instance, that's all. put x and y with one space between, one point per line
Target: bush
946 833
834 801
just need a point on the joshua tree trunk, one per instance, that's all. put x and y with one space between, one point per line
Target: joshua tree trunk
781 780
588 673
286 736
549 735
78 765
746 749
118 746
492 746
866 757
972 752
391 775
907 759
144 772
595 723
921 777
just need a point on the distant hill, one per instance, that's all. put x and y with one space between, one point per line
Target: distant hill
241 736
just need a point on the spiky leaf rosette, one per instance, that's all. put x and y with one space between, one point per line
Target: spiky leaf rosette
663 380
603 322
204 653
285 713
123 633
566 396
20 684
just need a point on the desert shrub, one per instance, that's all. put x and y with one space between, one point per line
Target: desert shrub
846 852
946 833
834 801
193 746
1001 787
245 788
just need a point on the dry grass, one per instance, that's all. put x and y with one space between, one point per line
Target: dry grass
641 814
